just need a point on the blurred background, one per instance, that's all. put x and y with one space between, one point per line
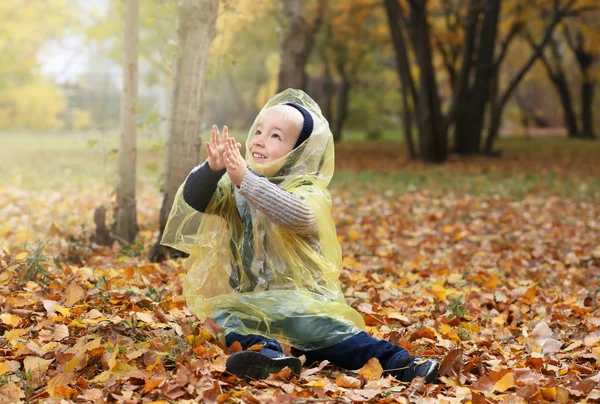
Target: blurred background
499 95
61 63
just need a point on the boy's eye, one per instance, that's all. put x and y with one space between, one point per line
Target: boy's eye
276 136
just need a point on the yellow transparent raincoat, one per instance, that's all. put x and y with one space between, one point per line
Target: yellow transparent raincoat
255 277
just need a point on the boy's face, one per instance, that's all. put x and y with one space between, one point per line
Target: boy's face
275 137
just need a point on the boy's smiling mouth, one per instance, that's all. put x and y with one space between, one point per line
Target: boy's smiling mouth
258 156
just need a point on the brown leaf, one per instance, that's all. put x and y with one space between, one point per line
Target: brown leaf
212 327
347 381
11 393
73 293
452 363
423 332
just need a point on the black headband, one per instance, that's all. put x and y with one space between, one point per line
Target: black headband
307 127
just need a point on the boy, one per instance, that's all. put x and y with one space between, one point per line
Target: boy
264 257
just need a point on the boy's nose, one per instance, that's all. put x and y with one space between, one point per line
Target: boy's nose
258 140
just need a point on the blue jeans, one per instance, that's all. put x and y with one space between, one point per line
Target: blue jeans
350 354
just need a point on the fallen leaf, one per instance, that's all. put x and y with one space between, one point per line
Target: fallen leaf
35 364
371 370
348 381
74 293
507 382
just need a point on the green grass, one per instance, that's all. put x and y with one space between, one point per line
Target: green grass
553 166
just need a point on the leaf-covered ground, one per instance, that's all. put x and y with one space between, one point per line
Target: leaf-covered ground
491 267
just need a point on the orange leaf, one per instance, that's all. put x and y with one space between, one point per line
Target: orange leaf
235 347
256 347
492 283
151 384
128 273
372 370
66 392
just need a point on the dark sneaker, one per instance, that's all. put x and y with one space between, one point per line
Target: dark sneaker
257 365
427 369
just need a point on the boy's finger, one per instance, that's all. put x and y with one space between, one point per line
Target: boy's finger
225 132
213 135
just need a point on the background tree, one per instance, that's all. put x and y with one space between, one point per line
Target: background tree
28 100
296 42
125 220
196 30
410 31
576 43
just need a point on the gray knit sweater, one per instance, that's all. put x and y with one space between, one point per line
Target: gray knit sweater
283 208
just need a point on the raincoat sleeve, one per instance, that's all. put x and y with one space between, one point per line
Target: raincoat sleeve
282 207
200 185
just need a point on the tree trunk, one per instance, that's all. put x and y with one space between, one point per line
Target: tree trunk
409 92
393 12
570 119
125 224
587 102
468 137
296 42
408 126
196 30
460 88
539 48
342 109
432 140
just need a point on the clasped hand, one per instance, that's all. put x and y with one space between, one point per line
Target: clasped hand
224 153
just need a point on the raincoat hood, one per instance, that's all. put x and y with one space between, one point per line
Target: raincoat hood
255 277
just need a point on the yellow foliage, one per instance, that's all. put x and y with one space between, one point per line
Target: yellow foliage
28 101
81 119
35 105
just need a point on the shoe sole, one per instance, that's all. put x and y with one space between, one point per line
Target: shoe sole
252 365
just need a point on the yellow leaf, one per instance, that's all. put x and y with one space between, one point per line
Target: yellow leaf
353 235
507 382
316 383
372 370
4 369
77 362
10 319
471 327
121 369
34 364
77 323
102 377
445 329
439 291
62 310
549 393
454 278
21 256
